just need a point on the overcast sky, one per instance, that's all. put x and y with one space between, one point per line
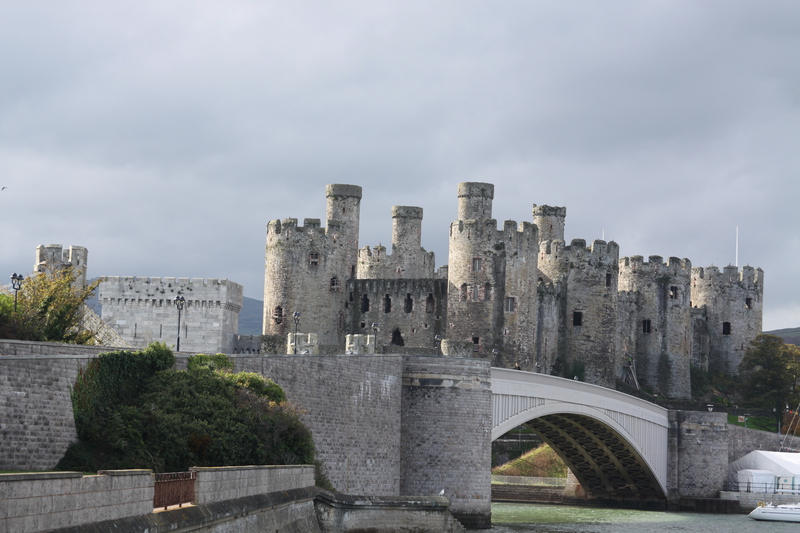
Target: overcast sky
164 136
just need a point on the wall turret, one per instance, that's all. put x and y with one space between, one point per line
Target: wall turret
475 201
408 259
733 303
550 221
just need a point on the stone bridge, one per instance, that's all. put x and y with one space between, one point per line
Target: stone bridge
614 443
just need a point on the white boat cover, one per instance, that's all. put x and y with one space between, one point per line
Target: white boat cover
782 464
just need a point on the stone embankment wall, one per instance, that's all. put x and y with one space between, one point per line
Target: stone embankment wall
36 422
54 500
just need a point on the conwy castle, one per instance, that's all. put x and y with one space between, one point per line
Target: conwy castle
519 294
515 295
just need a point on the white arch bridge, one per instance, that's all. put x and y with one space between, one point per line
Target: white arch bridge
614 443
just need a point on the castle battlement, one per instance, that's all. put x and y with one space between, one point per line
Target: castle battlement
730 275
656 265
601 253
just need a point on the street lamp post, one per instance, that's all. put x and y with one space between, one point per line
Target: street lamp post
16 284
179 303
296 317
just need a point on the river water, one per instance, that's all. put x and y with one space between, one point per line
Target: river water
516 518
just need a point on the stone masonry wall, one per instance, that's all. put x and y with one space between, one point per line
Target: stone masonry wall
230 482
36 422
352 406
47 501
698 454
446 434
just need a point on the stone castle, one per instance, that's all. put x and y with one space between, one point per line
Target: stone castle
519 294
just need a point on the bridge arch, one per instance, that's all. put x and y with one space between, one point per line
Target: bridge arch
615 444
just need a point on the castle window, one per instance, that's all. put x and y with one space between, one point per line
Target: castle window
335 285
646 326
510 304
577 318
463 291
487 292
397 338
364 303
408 304
608 279
313 259
476 343
476 293
277 315
673 293
387 304
430 303
748 303
726 328
477 263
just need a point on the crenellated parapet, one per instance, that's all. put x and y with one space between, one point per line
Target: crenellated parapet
733 304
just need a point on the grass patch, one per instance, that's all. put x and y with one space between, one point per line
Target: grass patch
763 423
539 462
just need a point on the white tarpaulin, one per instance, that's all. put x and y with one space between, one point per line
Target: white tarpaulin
782 464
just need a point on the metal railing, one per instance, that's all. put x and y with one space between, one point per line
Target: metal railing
531 481
174 488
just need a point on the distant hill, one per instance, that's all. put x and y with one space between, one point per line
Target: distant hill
789 335
251 316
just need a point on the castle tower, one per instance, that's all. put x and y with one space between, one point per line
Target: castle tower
659 325
306 268
550 221
476 271
52 258
589 284
519 303
491 289
733 304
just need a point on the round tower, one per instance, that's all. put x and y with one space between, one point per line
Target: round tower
550 221
733 303
307 267
343 211
589 283
476 272
662 321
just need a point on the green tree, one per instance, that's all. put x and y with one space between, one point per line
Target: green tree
132 410
767 374
50 308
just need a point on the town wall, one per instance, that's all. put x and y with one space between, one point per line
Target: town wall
142 310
